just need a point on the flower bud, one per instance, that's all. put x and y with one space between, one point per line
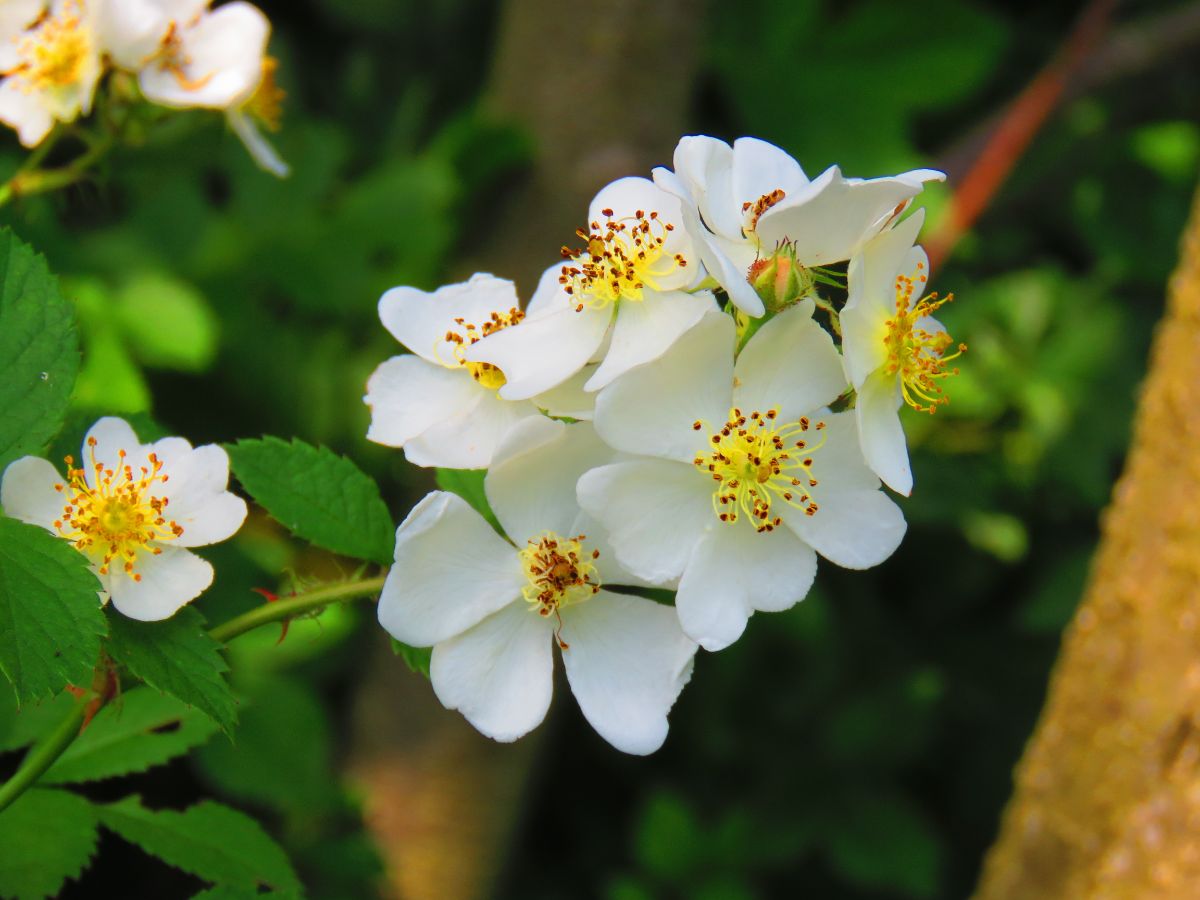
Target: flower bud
779 280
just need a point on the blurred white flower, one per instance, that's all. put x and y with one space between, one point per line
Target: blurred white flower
438 405
627 282
745 202
132 509
739 475
493 611
895 352
51 62
133 32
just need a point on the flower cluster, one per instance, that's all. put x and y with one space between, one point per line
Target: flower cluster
702 395
133 510
53 54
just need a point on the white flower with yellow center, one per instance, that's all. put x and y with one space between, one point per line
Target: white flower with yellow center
743 203
740 475
50 69
132 509
895 352
627 280
438 405
494 611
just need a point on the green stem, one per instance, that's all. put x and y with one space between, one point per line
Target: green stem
43 755
291 607
25 183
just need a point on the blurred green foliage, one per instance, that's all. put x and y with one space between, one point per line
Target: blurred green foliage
858 746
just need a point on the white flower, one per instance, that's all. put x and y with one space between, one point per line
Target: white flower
493 611
740 475
628 281
895 352
744 202
132 509
133 32
439 406
50 70
212 60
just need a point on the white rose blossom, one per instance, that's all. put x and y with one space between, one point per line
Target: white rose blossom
133 509
745 202
50 69
740 474
438 405
493 612
894 351
627 284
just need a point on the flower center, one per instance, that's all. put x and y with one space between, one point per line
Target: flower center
53 54
758 460
173 57
752 211
560 573
119 518
486 374
619 260
916 354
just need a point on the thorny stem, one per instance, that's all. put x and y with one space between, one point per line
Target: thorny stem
44 754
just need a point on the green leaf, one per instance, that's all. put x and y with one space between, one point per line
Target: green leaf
39 351
468 484
167 322
20 726
110 381
179 658
50 617
139 730
317 495
881 840
209 840
283 756
48 837
668 840
417 658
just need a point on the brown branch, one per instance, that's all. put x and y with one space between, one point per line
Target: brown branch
1107 801
1021 121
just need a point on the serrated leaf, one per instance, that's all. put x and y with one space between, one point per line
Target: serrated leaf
177 657
317 495
416 658
141 729
468 484
39 351
47 837
282 756
209 840
20 726
50 617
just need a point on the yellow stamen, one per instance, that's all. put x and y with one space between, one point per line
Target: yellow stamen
560 573
485 373
757 460
266 103
54 53
752 211
918 356
117 518
619 260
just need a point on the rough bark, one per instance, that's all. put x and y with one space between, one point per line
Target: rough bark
1107 800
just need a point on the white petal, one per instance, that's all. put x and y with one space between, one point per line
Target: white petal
735 570
864 330
830 225
259 148
544 350
131 30
626 660
420 320
112 435
409 395
468 440
224 52
655 512
169 582
452 570
24 112
839 464
196 489
883 258
651 411
645 331
705 166
789 364
760 168
608 567
531 481
17 15
499 674
855 529
569 399
549 293
880 432
27 492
